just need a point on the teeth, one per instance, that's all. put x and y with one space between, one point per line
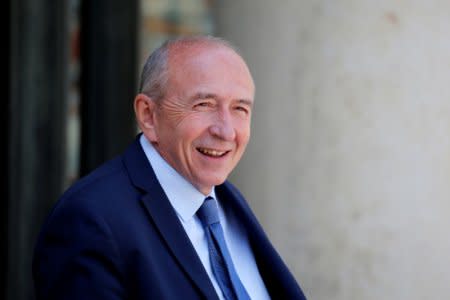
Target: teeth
211 152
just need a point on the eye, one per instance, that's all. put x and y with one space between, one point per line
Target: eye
202 105
242 109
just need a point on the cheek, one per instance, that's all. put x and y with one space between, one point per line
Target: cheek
243 132
179 125
194 127
184 136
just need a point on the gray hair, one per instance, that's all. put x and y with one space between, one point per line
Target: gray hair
155 73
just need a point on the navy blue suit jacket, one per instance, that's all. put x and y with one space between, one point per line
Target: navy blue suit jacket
114 235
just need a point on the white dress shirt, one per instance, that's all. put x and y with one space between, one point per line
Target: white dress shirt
186 200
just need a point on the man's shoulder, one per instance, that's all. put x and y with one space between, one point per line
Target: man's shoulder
109 189
96 190
102 176
111 176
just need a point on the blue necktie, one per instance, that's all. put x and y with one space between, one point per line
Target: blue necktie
220 258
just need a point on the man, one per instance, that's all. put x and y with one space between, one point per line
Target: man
135 228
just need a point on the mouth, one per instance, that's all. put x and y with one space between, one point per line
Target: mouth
212 152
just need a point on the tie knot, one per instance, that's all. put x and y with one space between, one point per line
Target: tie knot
208 212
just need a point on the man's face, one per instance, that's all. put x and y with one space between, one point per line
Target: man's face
202 126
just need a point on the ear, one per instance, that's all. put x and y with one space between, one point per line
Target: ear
145 111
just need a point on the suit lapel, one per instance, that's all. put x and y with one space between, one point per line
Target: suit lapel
278 279
165 219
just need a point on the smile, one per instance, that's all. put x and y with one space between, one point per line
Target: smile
212 152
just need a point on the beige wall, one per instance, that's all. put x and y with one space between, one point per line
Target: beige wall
349 163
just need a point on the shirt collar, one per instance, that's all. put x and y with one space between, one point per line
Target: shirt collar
183 196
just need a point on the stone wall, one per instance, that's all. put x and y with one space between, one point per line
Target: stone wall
349 163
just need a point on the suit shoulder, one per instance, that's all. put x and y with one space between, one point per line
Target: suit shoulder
102 174
97 187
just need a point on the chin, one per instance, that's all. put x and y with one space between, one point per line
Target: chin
216 181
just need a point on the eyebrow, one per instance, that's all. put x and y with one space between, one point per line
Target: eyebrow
246 102
201 95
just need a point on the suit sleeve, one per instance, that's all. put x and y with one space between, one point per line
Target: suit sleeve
76 257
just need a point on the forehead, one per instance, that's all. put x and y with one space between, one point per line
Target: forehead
194 55
184 50
209 65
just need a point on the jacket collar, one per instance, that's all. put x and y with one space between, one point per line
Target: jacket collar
164 217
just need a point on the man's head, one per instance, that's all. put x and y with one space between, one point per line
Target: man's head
195 107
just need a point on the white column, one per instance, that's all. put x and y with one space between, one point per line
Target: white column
349 163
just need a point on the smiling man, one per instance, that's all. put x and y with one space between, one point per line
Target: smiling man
161 221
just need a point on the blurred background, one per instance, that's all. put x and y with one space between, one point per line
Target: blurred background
348 168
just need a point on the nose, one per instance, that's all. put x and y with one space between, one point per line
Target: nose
223 128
